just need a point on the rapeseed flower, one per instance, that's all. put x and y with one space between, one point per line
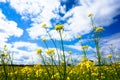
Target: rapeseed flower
84 59
4 54
79 37
99 29
59 27
43 25
50 51
69 52
62 63
4 63
109 56
85 47
90 15
68 78
39 51
43 39
5 47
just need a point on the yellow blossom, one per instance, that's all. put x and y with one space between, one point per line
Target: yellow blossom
50 51
94 74
62 63
68 78
4 63
43 25
89 64
38 51
4 54
90 15
43 39
5 47
69 52
79 37
84 59
59 27
85 47
99 29
109 56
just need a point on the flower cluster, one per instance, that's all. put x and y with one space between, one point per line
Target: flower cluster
50 51
39 51
85 47
90 15
109 56
99 29
43 25
43 39
79 37
59 27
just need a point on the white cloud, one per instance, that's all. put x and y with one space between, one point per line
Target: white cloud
113 39
3 1
26 45
79 23
8 28
104 11
43 11
36 31
24 52
40 12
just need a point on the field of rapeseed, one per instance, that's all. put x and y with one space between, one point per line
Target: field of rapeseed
49 69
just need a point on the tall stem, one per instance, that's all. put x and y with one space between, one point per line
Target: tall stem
64 58
54 45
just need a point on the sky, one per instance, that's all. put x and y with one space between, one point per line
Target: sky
21 31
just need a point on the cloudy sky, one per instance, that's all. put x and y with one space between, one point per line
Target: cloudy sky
21 20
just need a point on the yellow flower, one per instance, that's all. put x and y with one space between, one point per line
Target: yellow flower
99 29
59 27
62 63
4 63
109 56
4 54
69 52
79 37
84 59
39 51
94 74
5 47
68 78
85 47
89 64
43 25
50 51
90 15
43 39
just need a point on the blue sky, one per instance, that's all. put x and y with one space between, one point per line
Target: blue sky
21 20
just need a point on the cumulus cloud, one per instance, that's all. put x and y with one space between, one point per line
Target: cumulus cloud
41 11
77 22
36 32
104 12
3 1
113 39
8 28
24 52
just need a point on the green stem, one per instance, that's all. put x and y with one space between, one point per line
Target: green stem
45 66
64 58
54 45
